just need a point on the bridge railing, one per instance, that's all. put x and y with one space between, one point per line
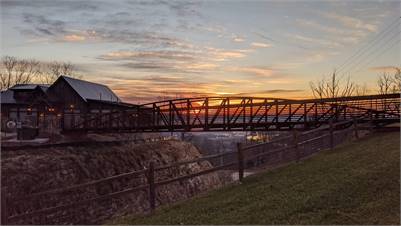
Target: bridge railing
100 199
241 113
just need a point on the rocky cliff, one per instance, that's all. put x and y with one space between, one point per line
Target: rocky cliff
32 171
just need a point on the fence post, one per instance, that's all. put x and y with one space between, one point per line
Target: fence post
295 136
4 214
331 135
355 124
151 182
240 162
371 122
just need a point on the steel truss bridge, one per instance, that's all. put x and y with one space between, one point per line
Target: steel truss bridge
240 114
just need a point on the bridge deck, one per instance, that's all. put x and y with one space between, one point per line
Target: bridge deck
238 114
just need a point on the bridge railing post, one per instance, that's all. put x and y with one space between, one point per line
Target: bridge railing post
240 155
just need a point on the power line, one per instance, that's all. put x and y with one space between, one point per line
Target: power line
372 51
360 51
368 51
384 31
381 53
276 41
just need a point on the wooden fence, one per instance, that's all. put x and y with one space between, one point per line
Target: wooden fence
65 205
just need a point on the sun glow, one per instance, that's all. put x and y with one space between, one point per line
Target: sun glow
225 93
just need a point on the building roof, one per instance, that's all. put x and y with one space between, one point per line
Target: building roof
88 91
91 91
7 97
44 87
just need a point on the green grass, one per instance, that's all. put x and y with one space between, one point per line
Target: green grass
357 183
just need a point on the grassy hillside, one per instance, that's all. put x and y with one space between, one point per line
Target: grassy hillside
358 183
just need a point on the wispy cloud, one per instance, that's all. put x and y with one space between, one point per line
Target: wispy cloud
192 60
74 38
385 69
260 45
151 88
351 22
143 38
40 25
159 54
219 54
311 40
303 60
253 71
121 26
238 39
340 34
54 5
274 91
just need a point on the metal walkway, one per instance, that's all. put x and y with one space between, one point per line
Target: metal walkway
240 114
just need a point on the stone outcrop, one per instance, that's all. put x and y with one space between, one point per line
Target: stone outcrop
26 172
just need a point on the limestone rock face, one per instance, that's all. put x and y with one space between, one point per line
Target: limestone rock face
32 171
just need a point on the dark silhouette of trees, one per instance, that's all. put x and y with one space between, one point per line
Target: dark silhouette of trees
55 69
23 71
332 87
389 83
17 71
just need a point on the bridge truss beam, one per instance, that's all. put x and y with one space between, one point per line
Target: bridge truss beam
239 114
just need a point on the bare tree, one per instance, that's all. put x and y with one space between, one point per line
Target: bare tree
333 87
397 81
23 71
385 83
361 90
18 71
318 88
55 69
389 84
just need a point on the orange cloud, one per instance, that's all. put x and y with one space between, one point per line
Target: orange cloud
222 55
238 39
201 66
260 45
258 71
74 38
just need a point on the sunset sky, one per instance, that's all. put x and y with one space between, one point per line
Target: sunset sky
145 50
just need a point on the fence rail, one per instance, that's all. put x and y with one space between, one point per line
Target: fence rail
282 150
